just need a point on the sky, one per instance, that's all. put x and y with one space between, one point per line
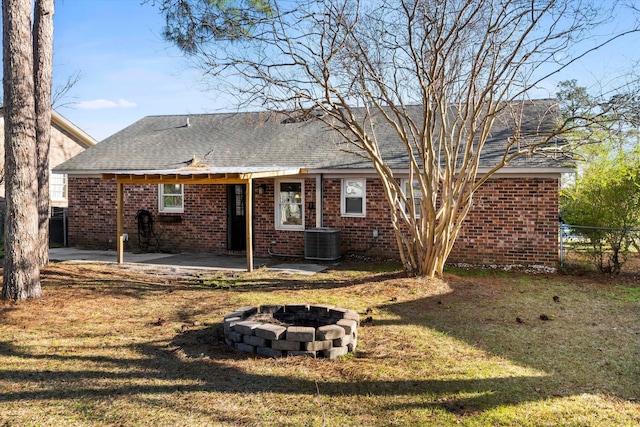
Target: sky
127 71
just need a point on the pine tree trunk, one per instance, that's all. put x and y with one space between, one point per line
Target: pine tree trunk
43 69
21 271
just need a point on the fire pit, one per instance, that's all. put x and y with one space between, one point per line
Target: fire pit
293 330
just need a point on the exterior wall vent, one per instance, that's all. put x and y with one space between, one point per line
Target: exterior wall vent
322 244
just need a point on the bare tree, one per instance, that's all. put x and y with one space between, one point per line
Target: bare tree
21 271
465 62
60 94
43 70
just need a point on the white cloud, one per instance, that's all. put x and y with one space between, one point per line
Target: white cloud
101 104
123 103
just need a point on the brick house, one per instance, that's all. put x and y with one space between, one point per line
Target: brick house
262 184
67 140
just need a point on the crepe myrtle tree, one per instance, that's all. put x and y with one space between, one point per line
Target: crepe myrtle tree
467 63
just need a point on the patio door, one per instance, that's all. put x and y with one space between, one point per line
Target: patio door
236 217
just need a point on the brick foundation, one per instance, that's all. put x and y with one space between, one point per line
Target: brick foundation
513 220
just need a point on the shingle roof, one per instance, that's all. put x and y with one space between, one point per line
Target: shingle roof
266 139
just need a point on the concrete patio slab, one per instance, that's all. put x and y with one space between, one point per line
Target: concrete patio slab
201 261
305 269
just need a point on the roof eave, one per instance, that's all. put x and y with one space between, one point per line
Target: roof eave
516 170
204 175
86 139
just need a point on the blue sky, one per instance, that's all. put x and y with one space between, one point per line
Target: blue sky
128 71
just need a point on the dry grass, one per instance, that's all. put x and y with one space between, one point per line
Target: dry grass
120 347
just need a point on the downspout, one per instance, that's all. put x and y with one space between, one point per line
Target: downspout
319 210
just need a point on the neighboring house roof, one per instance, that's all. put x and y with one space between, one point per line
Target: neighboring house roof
66 126
67 140
271 140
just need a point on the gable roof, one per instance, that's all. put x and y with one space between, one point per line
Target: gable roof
67 126
268 140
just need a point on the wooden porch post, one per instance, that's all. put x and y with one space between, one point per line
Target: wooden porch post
249 213
119 219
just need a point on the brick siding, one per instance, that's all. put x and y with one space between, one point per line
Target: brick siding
513 221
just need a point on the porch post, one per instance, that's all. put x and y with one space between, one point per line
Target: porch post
249 214
120 240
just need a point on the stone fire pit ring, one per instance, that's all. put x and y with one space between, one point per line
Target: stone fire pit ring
293 330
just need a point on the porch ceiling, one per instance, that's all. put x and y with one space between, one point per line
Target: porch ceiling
201 175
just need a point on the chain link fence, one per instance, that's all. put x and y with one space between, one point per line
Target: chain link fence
577 250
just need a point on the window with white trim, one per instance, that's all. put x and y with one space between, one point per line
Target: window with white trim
58 186
171 198
353 201
417 195
289 205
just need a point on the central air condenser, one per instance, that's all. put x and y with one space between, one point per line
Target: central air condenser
322 244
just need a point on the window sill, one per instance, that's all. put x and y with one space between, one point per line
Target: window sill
353 215
290 227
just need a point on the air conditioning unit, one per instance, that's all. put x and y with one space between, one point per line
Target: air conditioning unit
322 244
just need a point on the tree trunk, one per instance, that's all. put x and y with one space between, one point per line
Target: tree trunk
21 271
43 69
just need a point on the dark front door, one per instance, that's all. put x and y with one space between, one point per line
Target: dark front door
236 217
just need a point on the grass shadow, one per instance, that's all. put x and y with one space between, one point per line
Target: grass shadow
209 372
584 338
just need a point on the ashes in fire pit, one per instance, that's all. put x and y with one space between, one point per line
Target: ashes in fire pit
293 330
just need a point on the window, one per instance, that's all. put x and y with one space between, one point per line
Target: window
353 200
289 205
58 186
417 195
171 198
238 207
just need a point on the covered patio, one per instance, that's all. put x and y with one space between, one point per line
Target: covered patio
197 173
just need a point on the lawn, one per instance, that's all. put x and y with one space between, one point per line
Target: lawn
124 346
